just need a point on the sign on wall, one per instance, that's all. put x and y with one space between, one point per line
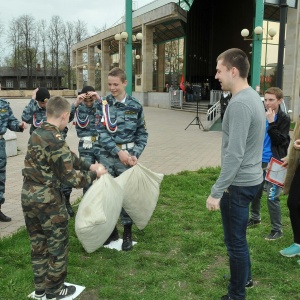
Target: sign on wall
290 3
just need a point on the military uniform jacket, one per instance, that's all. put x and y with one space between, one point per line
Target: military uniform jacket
7 118
87 118
131 126
49 162
35 115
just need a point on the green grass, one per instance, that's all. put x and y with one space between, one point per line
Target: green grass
292 126
179 255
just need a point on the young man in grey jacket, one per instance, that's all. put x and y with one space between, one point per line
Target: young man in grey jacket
241 173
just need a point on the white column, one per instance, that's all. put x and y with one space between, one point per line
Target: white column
291 75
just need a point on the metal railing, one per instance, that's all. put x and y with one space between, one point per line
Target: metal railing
213 114
176 97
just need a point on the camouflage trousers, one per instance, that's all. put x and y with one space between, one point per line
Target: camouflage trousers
3 162
91 155
47 226
115 168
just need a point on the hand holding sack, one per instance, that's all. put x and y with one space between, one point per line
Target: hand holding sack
98 213
141 191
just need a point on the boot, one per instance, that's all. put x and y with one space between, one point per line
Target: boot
3 217
127 238
69 207
114 236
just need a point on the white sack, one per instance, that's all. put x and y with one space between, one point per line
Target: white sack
98 212
141 191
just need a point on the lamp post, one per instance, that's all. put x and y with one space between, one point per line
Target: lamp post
128 46
129 38
257 38
283 17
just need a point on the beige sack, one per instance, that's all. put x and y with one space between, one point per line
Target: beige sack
98 213
141 191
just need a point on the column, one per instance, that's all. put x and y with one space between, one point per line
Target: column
79 70
147 64
91 65
122 57
105 67
161 67
291 78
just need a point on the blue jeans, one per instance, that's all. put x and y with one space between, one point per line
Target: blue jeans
273 200
235 209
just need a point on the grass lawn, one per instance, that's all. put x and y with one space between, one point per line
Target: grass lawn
180 255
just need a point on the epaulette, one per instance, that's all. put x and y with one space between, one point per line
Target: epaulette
134 99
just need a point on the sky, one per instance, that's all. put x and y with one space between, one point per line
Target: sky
96 14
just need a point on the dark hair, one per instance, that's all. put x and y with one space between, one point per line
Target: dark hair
237 58
275 91
118 72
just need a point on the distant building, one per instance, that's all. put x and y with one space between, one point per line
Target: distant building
17 79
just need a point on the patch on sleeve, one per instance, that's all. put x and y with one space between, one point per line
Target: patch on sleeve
58 136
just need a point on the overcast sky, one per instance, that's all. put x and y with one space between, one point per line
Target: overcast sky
96 13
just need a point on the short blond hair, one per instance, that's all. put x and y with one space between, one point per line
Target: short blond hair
56 106
118 72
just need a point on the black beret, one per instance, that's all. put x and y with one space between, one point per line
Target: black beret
42 94
87 89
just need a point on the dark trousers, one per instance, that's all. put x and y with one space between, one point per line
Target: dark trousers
293 203
234 210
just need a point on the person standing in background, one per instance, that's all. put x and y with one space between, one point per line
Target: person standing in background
85 109
276 143
35 114
7 121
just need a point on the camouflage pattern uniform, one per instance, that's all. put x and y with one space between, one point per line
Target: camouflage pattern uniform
131 135
87 118
48 162
35 115
7 120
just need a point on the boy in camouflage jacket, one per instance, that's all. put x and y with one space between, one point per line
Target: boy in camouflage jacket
48 163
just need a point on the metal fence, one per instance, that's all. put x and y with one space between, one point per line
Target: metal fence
176 97
215 96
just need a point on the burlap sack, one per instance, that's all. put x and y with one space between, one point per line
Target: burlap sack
98 213
141 191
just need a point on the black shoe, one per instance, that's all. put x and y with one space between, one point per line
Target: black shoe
226 297
114 236
249 284
39 294
4 218
65 292
127 238
252 222
274 235
69 209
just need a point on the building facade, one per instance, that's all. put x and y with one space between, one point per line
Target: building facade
183 41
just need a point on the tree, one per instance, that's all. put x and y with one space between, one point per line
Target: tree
69 38
55 37
30 42
80 30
